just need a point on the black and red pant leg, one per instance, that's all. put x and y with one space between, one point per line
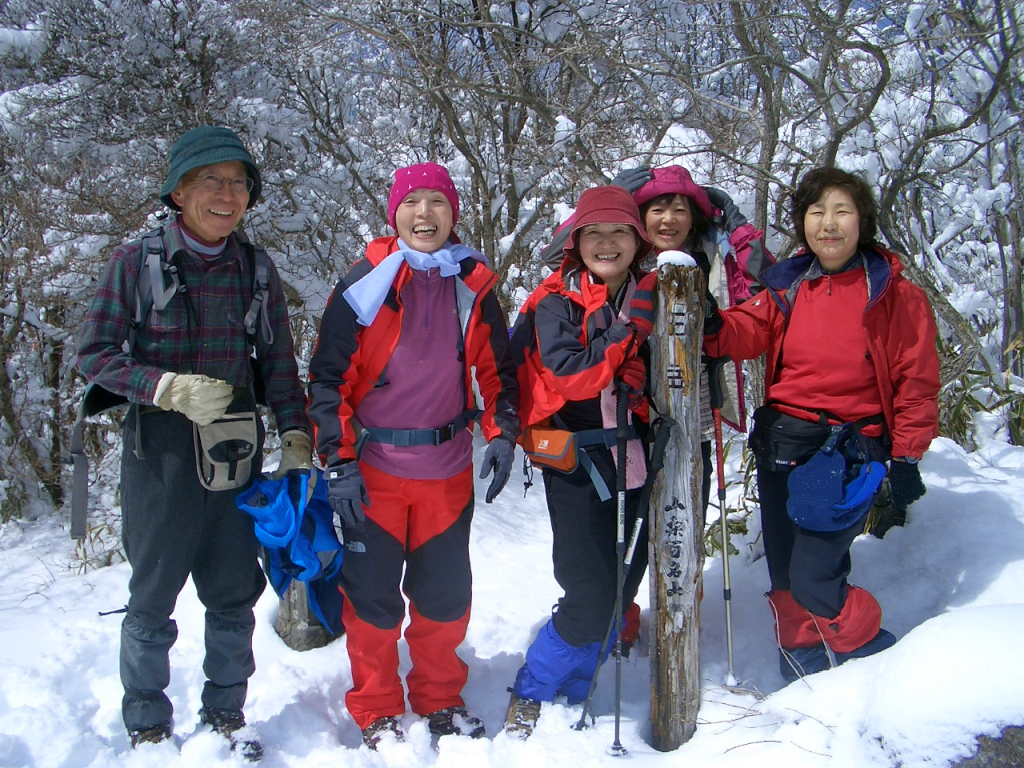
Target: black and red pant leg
811 599
421 527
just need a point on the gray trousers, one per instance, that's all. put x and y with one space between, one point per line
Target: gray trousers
173 527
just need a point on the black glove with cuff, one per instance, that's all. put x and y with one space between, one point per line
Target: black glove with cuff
905 482
346 491
498 458
712 315
733 218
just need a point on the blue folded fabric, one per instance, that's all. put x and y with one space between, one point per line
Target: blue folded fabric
860 491
299 540
267 501
820 500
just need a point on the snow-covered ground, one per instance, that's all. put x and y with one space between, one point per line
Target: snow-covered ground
951 585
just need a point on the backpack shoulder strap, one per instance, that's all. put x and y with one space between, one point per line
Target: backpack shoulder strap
256 318
152 288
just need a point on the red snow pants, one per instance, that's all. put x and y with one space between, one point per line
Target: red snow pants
421 527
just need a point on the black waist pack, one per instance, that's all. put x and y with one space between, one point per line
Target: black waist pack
780 442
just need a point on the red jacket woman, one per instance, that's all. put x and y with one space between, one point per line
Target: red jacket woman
848 341
579 332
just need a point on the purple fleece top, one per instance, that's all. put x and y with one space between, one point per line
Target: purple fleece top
425 384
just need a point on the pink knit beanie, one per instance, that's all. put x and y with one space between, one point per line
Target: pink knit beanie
422 176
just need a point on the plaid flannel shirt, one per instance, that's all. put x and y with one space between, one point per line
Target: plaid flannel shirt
199 331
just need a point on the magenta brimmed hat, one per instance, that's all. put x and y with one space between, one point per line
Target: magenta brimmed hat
608 205
422 176
674 180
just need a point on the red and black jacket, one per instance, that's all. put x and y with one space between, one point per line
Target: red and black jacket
568 344
349 358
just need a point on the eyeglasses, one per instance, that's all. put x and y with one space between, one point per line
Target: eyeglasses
213 183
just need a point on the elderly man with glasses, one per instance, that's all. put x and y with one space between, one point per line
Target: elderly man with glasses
187 369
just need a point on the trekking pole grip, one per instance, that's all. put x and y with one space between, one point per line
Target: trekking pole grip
717 395
622 412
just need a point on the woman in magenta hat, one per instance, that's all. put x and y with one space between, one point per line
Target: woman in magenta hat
392 405
680 215
582 330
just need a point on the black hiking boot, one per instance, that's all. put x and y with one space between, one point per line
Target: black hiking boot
152 735
522 716
230 723
376 731
455 720
794 664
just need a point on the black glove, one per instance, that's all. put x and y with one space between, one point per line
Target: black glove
733 218
346 492
905 482
883 515
498 457
712 315
552 254
632 179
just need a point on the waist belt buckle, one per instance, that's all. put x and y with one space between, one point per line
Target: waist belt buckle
443 434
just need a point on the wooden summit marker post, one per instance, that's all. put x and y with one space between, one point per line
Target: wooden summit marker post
676 534
296 624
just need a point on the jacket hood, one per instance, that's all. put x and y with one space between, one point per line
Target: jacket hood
883 267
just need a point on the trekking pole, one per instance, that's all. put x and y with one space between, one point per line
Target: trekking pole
621 438
717 398
662 427
582 722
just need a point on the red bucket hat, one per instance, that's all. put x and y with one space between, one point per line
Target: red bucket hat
674 180
608 205
422 176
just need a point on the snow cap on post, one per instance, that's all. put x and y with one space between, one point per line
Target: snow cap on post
203 146
422 176
608 205
674 180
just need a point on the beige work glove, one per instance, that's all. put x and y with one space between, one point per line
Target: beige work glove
296 460
296 453
201 398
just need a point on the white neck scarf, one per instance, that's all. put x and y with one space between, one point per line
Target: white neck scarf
366 296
